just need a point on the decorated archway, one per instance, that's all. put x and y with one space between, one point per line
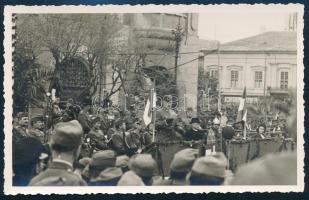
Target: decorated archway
74 79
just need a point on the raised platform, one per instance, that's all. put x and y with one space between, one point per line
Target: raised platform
242 151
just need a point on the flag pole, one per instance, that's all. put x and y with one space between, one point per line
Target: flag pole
245 130
153 110
245 124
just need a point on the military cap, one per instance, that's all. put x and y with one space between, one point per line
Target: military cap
67 134
103 159
109 173
143 165
183 160
122 161
212 165
84 161
130 179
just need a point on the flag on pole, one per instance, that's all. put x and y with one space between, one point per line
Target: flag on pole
244 118
242 112
277 116
150 105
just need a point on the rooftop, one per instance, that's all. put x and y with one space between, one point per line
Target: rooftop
268 41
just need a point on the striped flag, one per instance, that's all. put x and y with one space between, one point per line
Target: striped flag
242 112
150 105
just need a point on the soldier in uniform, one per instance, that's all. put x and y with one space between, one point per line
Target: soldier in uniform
83 118
144 166
65 147
102 169
209 170
166 121
117 138
37 129
98 138
195 131
130 178
188 118
180 166
20 130
213 136
124 142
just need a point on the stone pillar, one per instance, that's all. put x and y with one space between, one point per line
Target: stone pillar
187 79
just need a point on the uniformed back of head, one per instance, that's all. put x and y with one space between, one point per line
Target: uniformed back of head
67 136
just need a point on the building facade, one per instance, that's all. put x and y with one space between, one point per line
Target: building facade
152 33
265 64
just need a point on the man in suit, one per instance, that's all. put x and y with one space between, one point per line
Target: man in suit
65 148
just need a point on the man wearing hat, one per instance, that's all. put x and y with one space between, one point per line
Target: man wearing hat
144 166
195 131
209 170
98 138
166 120
102 169
37 129
130 179
117 142
180 166
124 142
213 136
80 167
228 133
20 128
65 148
83 118
123 163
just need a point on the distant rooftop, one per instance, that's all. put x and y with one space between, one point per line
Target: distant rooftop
268 41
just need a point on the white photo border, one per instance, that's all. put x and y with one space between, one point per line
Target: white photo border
8 92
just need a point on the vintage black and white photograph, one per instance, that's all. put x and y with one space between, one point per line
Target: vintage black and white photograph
156 97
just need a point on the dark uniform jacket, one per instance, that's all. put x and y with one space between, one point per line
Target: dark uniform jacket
59 173
84 121
165 125
98 139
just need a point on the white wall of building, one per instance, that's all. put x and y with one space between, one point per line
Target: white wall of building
247 64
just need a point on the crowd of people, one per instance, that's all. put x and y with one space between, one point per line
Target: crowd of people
75 147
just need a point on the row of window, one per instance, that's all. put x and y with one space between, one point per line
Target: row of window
258 78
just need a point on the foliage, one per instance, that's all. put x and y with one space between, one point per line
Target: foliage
92 36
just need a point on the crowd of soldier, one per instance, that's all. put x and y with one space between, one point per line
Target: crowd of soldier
105 149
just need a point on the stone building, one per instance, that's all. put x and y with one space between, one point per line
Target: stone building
266 64
149 34
152 33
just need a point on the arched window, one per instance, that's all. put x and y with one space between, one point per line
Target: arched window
74 78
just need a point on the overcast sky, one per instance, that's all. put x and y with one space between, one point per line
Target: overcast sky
229 26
